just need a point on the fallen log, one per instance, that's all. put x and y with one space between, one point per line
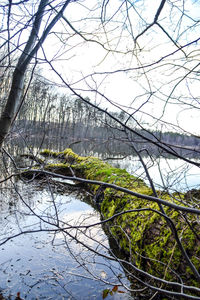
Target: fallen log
135 222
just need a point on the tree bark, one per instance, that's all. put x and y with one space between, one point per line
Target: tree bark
16 90
31 48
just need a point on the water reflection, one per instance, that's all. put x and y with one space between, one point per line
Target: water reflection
49 264
166 173
107 146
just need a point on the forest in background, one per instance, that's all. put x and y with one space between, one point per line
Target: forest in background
49 115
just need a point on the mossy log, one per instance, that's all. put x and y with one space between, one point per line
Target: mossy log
144 234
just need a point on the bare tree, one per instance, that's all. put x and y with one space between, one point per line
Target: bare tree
138 62
33 44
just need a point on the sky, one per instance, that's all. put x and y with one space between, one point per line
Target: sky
118 69
133 87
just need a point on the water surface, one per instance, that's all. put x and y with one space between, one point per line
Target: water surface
49 265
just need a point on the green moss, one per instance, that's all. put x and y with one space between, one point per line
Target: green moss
145 233
49 153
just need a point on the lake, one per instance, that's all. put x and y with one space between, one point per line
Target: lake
42 262
49 265
166 173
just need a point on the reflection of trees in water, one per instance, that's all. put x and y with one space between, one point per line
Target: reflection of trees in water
105 147
100 142
51 220
158 82
80 263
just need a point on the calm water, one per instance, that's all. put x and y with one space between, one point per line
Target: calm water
45 265
170 174
49 265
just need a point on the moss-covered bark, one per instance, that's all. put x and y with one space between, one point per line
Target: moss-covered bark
143 235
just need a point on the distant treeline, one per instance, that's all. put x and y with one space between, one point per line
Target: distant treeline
99 133
46 114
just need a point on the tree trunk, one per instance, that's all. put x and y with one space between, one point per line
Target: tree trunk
14 100
16 91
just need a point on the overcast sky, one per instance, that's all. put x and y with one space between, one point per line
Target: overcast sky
133 87
118 68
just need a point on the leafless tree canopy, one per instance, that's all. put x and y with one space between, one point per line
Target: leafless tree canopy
123 74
